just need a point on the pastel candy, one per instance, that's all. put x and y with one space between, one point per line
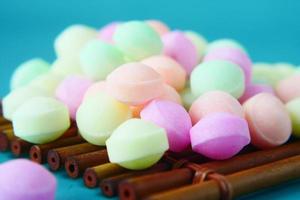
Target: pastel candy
69 43
187 97
137 144
134 83
99 116
173 118
94 89
234 55
41 120
214 102
66 66
17 97
98 59
268 121
106 33
171 71
199 42
28 71
289 88
160 27
48 82
181 49
71 92
221 43
220 135
137 40
293 108
218 75
21 179
253 89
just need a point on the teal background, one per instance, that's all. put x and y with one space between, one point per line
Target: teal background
269 29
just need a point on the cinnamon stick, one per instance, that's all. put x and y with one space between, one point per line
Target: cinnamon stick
109 186
75 165
19 147
92 176
3 121
241 183
140 187
38 153
57 157
5 126
6 136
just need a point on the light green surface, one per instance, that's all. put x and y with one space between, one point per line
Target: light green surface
221 43
293 107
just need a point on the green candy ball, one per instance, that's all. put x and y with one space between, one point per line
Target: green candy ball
137 144
137 40
222 43
98 116
293 107
28 71
187 98
98 59
218 75
41 120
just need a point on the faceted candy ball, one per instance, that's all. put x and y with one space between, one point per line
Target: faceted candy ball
160 27
69 43
28 71
99 116
171 71
71 92
218 75
21 179
254 89
221 43
220 136
41 120
289 88
187 97
263 73
66 66
199 42
293 108
94 89
137 40
107 32
234 55
48 82
268 121
173 118
134 83
214 102
98 59
181 49
17 97
137 144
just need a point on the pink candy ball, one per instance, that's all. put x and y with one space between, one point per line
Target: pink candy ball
268 120
233 55
254 89
220 135
171 71
22 179
94 89
71 92
289 88
173 118
181 49
107 32
134 84
160 27
214 102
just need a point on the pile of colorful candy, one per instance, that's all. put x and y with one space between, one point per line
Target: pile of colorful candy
142 89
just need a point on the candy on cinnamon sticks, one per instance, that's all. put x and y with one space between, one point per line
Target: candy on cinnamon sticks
19 147
237 184
57 157
75 165
140 187
6 136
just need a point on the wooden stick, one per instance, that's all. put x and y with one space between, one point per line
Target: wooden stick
75 165
38 153
140 187
92 176
57 157
241 183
